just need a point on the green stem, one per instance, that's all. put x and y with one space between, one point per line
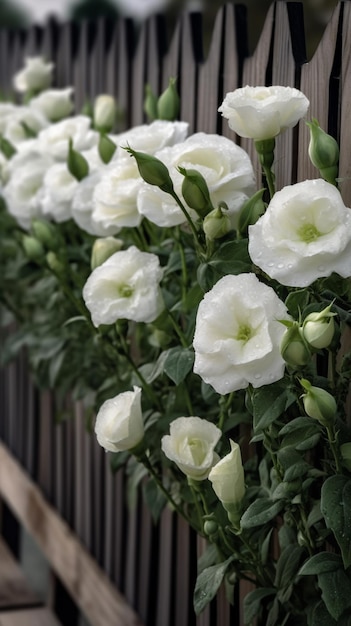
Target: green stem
178 330
270 180
199 248
224 406
334 448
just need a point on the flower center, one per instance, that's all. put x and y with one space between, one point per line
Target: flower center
125 291
308 233
197 450
244 333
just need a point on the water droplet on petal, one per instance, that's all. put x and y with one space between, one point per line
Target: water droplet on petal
271 264
257 376
280 266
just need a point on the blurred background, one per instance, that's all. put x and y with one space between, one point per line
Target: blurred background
21 13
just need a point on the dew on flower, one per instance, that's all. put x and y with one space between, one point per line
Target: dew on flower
280 266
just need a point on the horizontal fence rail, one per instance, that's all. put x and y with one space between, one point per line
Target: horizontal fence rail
154 567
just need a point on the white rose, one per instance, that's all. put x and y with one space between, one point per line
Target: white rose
54 103
14 130
237 334
263 112
25 174
57 193
82 207
305 234
227 477
126 286
226 168
150 138
54 139
115 196
191 445
119 422
36 75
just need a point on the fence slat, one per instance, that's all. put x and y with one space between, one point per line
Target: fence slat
345 109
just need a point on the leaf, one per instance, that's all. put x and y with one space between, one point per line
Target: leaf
320 564
178 363
287 566
321 616
265 547
336 508
297 302
268 403
208 583
231 258
155 499
336 594
252 602
118 459
260 512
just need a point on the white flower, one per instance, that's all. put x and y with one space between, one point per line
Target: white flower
104 112
227 477
114 199
54 139
237 334
82 207
305 234
57 193
54 103
263 112
126 286
36 75
226 168
191 445
14 126
119 422
150 138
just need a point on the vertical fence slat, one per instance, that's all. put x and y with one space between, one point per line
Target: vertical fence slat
231 61
191 53
345 112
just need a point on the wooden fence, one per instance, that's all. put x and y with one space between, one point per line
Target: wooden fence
153 567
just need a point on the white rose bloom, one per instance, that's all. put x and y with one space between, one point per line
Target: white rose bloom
14 131
36 75
54 103
54 139
126 286
237 334
263 112
82 207
7 109
191 445
227 477
150 138
119 422
115 196
24 174
305 234
226 168
57 193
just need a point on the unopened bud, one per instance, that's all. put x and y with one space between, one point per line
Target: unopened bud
45 233
104 113
106 148
318 328
168 102
210 528
318 403
293 347
33 248
55 264
103 248
152 170
253 208
77 164
323 151
195 191
150 103
216 224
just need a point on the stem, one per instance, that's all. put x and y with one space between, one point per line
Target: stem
224 409
334 447
270 180
178 330
199 248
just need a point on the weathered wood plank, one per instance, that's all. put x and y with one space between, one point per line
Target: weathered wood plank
345 107
30 617
14 588
97 598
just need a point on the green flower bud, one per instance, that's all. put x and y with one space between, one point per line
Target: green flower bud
318 403
33 248
216 224
293 347
55 264
150 103
103 248
45 233
210 527
345 451
152 170
253 208
168 102
104 113
106 148
77 164
323 151
265 151
319 327
195 191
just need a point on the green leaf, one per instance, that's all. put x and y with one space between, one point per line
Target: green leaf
336 594
336 508
76 163
287 566
268 403
178 363
260 512
118 459
320 564
297 302
321 617
252 602
231 257
106 148
208 583
155 499
265 547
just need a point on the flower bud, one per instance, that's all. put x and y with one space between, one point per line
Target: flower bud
210 528
55 264
150 103
103 248
168 102
77 164
318 403
345 451
323 151
293 347
45 233
152 170
216 224
104 114
34 76
253 208
33 248
106 148
319 327
55 104
228 482
195 191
